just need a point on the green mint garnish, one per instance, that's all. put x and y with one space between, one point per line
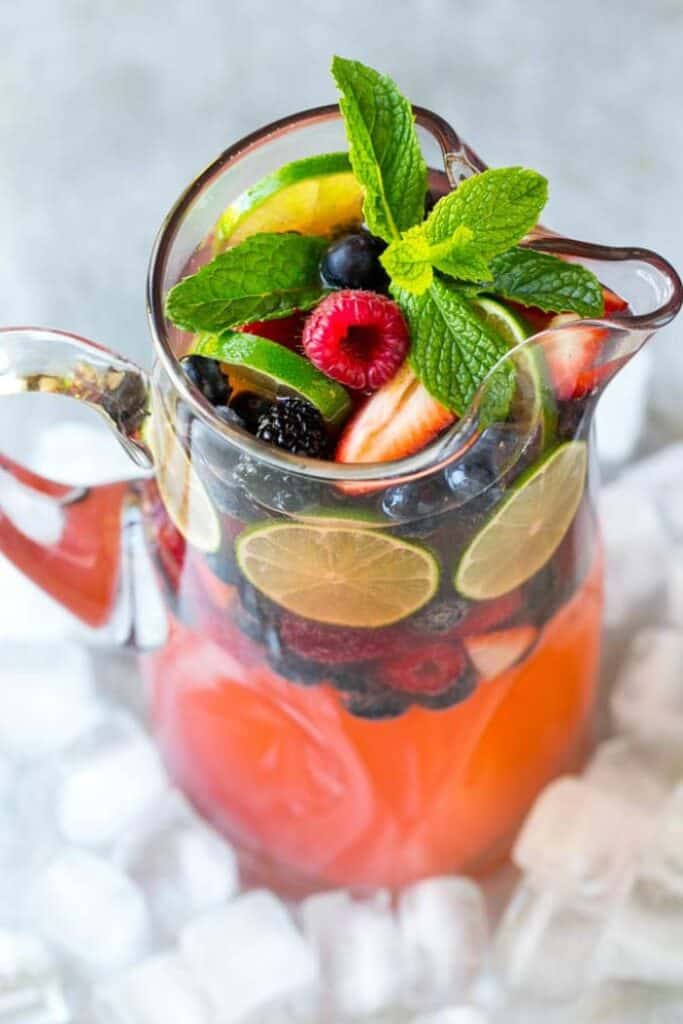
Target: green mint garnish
485 216
265 277
535 278
453 348
384 148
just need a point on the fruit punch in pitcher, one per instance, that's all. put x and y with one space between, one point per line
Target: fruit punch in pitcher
372 519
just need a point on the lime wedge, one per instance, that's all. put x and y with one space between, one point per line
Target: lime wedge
344 575
272 370
181 490
534 400
527 528
318 195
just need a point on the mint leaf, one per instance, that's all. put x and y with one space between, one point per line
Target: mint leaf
265 277
535 278
384 148
499 206
454 349
410 261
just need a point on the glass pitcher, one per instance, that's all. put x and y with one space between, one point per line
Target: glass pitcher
283 729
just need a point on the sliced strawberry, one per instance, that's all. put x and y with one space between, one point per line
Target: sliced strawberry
485 615
287 331
494 653
572 356
613 302
428 670
400 419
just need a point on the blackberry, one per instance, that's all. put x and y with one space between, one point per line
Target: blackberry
296 426
352 261
440 616
207 377
272 489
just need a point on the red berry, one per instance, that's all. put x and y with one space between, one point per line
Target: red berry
429 670
358 338
335 645
286 331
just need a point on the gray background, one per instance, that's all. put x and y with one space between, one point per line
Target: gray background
108 108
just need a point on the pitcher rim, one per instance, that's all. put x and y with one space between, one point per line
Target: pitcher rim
461 436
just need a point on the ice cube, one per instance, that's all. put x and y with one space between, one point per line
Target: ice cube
623 770
636 547
360 951
453 1015
617 433
630 1003
30 988
647 700
47 698
580 840
444 933
110 777
645 936
546 942
91 911
249 956
183 866
160 990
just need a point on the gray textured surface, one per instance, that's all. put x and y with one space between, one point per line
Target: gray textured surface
108 108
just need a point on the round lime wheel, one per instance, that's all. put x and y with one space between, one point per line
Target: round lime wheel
343 575
272 370
318 195
527 528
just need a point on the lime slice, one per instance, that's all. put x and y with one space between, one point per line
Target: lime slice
534 399
528 526
318 195
343 575
271 370
181 490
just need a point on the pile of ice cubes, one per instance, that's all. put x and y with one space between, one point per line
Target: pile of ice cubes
119 905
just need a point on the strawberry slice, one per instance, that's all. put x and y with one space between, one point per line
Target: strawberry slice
613 302
287 331
572 357
400 419
494 653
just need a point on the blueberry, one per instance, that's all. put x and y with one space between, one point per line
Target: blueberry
352 261
229 416
376 704
487 462
226 493
250 407
440 616
207 377
419 500
281 492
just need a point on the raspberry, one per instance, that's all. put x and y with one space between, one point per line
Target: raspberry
335 645
295 425
428 671
357 338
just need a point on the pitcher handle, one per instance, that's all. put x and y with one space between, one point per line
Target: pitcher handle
77 559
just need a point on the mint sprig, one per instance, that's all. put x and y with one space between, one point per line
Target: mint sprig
538 279
453 348
265 277
384 148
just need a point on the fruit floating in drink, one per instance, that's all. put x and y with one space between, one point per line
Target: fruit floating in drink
385 575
